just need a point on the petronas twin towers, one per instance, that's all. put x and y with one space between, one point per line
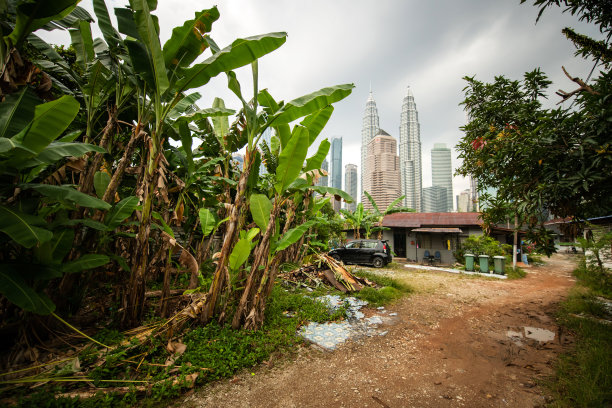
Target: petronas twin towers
409 148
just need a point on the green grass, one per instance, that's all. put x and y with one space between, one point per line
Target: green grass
213 351
583 376
390 290
600 282
515 273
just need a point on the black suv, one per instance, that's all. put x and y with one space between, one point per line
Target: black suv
364 251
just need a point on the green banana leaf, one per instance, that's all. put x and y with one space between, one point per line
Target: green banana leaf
315 122
241 52
23 228
89 261
149 34
6 145
184 105
120 211
14 287
187 41
261 208
17 111
101 181
239 254
68 193
111 36
333 191
33 15
316 161
58 150
307 104
291 159
293 235
208 221
54 250
82 42
50 120
220 123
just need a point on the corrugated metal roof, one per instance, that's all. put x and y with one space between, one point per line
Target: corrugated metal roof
439 230
416 220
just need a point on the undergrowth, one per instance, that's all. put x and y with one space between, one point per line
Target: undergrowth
583 377
213 352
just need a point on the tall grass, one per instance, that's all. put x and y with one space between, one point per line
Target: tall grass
583 376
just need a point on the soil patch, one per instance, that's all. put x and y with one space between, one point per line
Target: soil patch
460 341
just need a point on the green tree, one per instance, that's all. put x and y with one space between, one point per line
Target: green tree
555 161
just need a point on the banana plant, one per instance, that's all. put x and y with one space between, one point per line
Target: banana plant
165 74
293 147
31 141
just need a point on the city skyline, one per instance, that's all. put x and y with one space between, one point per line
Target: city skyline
469 38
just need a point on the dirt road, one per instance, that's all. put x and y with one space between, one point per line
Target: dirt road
459 342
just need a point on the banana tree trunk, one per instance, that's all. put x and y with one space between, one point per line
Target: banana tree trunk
234 222
133 300
262 253
109 194
87 180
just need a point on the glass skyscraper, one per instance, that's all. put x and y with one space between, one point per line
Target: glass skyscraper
442 172
369 129
410 154
336 167
350 185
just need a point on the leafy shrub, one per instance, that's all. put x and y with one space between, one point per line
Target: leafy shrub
481 245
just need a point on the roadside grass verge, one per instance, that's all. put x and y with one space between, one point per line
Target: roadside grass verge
515 273
583 376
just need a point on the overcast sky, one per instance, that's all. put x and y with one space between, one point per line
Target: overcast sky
388 45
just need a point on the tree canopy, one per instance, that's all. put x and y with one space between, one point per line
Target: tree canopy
544 161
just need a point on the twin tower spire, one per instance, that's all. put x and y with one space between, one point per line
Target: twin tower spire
409 148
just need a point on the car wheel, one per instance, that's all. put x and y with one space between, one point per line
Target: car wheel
337 257
378 262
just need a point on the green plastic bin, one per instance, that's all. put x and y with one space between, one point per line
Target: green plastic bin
500 264
469 262
484 263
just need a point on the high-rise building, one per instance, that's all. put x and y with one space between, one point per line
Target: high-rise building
350 185
442 172
464 201
382 172
336 167
434 199
410 153
322 181
369 129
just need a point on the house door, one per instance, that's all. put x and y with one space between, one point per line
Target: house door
399 243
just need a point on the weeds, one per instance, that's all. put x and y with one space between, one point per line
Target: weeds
390 291
515 272
213 352
583 377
